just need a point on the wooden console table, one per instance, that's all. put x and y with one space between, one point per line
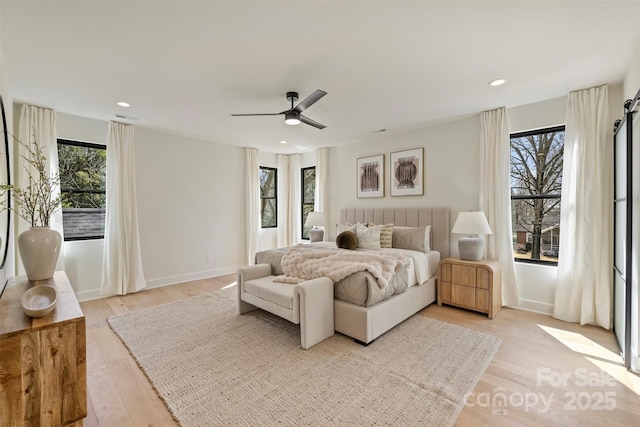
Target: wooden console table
43 372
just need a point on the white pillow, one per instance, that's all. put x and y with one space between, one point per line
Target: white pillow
368 237
346 227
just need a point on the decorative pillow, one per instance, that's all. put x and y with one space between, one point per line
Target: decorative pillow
385 235
347 240
368 238
346 227
413 238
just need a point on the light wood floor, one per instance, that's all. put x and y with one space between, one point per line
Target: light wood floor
546 372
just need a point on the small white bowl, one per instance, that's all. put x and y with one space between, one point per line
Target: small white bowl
39 300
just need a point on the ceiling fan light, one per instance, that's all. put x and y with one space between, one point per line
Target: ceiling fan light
291 119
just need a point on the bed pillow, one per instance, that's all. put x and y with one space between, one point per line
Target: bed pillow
347 240
386 233
368 237
413 238
347 226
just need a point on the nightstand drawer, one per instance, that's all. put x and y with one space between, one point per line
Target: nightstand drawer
463 295
463 275
482 278
482 299
445 290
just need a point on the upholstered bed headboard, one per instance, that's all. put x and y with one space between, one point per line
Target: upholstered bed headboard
437 218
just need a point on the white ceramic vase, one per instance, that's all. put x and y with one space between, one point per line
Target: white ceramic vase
39 249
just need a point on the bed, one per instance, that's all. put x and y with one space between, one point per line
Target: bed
366 313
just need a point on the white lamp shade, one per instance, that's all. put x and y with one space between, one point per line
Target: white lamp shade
315 219
471 223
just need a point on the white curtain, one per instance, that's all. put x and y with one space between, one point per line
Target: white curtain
322 183
252 200
39 124
283 200
495 196
122 262
289 226
583 288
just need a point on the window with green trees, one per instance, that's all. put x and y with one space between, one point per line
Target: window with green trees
83 173
269 197
308 180
536 184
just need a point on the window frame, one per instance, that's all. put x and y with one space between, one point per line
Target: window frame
96 146
302 203
275 196
550 129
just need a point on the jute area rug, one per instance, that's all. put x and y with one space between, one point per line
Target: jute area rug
213 367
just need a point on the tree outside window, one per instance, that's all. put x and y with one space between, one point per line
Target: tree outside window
269 197
308 196
83 174
536 183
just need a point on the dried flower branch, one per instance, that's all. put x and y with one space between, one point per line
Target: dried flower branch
35 203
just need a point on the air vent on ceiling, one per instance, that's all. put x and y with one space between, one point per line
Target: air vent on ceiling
122 116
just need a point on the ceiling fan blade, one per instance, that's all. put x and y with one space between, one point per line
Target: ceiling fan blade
310 100
313 123
258 114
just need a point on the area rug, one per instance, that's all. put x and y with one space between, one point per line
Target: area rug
213 367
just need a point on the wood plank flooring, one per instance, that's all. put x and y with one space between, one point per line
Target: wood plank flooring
546 372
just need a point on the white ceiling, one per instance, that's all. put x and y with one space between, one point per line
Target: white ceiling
184 66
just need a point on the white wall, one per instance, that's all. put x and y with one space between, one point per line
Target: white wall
190 207
451 169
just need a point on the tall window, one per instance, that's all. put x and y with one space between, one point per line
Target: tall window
269 197
308 180
83 173
536 183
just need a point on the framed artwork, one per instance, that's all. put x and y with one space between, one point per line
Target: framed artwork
370 173
407 171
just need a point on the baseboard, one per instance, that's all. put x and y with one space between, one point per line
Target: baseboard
165 281
535 306
189 277
89 295
635 363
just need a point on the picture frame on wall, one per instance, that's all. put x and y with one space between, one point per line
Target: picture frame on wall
407 172
370 176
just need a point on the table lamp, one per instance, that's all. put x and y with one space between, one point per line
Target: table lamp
315 220
471 247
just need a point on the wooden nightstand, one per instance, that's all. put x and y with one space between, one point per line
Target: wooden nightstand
476 285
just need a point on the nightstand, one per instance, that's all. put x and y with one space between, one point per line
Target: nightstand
475 285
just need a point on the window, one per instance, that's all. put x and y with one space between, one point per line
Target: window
83 173
308 180
269 197
536 182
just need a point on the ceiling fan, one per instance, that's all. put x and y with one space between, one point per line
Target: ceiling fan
293 115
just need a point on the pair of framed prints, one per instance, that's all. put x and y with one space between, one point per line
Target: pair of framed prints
407 174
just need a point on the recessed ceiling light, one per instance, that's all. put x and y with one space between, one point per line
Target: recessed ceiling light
283 142
123 104
497 82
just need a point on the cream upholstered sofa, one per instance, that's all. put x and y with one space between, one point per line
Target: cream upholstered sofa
309 304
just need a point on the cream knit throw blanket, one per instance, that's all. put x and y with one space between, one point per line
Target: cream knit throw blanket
300 264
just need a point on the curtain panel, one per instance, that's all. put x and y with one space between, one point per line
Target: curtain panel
584 283
122 261
495 196
252 202
289 203
38 124
322 183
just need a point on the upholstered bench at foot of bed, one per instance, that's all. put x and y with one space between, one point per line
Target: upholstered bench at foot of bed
309 304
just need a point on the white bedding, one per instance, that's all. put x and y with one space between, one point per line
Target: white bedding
422 267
